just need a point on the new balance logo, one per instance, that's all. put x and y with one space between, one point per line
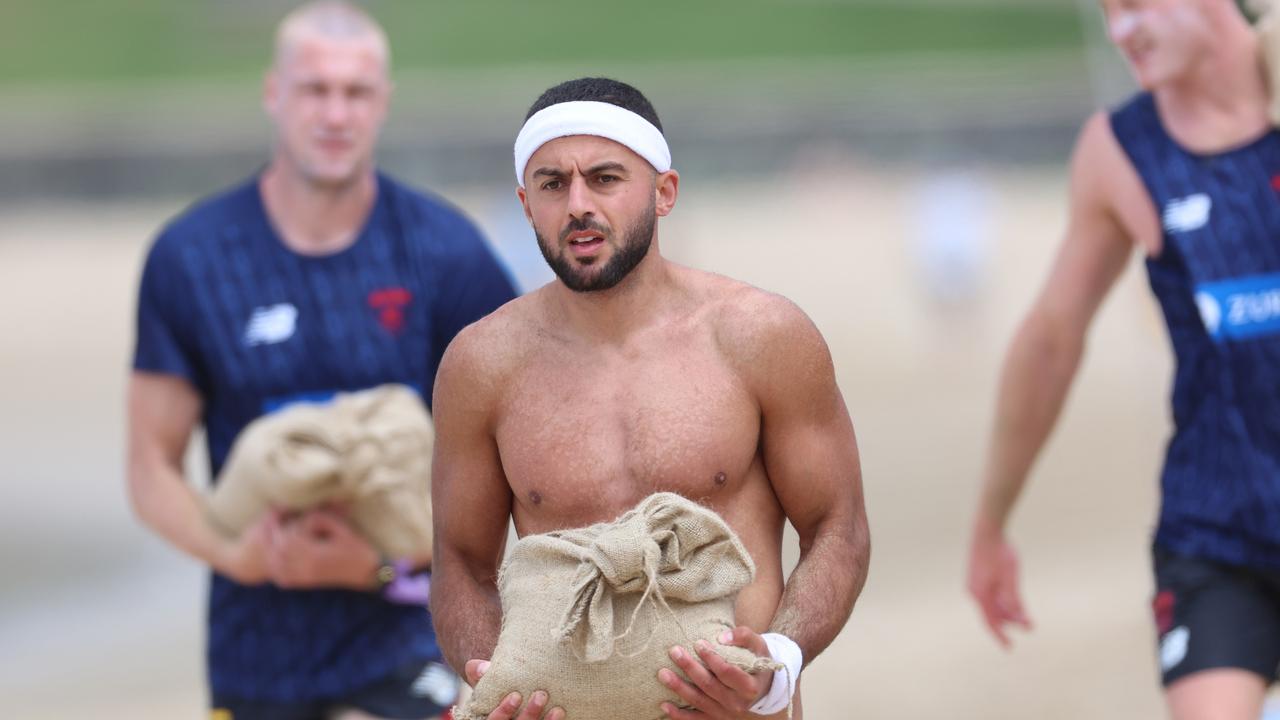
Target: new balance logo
271 324
1187 214
436 683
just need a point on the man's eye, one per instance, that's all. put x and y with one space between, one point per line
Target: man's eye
607 178
551 185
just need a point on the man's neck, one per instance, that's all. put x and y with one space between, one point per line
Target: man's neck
613 316
313 219
1223 101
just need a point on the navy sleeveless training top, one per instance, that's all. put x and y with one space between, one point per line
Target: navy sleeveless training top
1218 283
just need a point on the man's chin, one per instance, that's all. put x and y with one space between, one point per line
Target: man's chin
1151 76
333 177
578 284
584 283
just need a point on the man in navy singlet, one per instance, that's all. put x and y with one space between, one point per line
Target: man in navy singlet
1187 172
315 276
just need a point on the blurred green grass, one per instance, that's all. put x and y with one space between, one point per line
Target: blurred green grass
92 42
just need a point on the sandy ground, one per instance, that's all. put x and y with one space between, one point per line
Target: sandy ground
98 619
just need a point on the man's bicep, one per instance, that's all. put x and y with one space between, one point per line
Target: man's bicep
471 503
810 450
470 497
163 411
1096 247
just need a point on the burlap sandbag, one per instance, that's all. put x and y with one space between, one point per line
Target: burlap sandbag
588 615
369 451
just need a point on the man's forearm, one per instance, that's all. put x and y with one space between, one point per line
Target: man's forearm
821 591
1033 388
467 613
164 502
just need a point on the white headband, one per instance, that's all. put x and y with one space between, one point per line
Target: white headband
581 117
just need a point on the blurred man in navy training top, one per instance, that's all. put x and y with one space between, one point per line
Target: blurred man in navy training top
1187 173
315 276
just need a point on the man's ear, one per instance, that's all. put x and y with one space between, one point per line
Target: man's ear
524 203
666 188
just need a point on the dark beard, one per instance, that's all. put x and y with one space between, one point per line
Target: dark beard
635 245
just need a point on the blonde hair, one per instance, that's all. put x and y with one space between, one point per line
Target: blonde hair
335 19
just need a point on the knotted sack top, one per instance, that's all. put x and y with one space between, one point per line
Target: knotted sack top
667 549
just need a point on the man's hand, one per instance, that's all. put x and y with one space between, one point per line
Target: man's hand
719 689
318 549
510 705
993 583
244 559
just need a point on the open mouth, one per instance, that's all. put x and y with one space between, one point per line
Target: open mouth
585 242
1138 50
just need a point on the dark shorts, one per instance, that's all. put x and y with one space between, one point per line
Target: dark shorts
1209 615
415 692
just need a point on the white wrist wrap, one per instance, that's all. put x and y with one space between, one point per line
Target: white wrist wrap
784 650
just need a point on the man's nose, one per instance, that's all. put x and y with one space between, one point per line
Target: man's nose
581 199
337 108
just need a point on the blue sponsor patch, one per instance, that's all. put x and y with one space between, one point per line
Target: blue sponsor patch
1240 308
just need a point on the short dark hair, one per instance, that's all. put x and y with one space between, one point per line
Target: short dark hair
597 89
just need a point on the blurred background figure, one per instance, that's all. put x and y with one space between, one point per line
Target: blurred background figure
1183 173
317 275
815 133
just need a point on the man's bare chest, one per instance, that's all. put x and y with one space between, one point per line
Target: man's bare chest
585 440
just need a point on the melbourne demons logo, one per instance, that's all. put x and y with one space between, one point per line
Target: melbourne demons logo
390 304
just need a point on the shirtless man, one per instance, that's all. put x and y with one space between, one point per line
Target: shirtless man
1187 173
630 375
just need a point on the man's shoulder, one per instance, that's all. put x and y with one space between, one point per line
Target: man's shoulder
1096 126
766 339
747 319
1107 134
200 228
737 306
1100 166
494 345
